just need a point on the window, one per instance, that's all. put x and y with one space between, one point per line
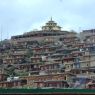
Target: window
87 65
23 82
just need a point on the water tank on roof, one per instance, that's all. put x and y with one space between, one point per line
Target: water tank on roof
16 78
9 79
44 58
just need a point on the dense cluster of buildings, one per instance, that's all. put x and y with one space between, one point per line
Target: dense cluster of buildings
49 57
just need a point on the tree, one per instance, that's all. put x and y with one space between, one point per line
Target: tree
29 53
10 70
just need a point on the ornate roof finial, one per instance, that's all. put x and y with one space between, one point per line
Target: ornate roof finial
51 18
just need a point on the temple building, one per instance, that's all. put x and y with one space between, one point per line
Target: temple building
51 25
50 32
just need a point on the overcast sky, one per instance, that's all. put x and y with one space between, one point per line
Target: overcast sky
19 16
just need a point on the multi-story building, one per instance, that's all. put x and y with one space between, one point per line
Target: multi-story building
88 35
49 57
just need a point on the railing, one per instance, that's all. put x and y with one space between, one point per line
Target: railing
48 91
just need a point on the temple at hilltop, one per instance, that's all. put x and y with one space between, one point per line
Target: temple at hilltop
51 25
50 29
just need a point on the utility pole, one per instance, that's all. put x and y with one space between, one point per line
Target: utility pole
89 64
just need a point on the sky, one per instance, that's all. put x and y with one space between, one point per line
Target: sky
20 16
